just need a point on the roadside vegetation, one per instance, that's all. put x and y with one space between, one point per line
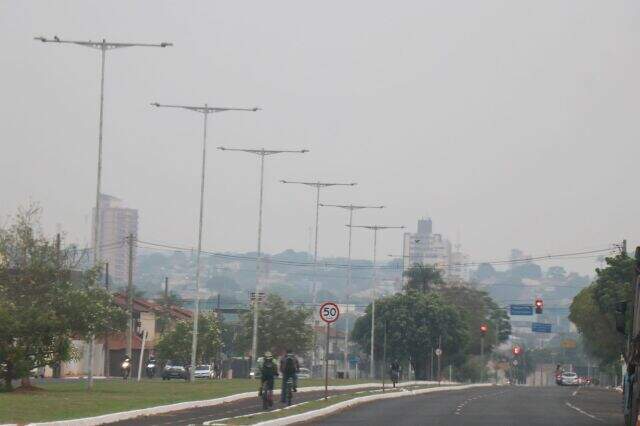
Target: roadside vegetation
601 307
430 313
70 400
45 300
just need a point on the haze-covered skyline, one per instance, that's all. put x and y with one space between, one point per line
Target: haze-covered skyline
512 122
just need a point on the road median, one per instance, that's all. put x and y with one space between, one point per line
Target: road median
167 408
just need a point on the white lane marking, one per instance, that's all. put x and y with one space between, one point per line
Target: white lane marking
582 411
468 400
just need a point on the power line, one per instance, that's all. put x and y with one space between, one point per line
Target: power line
389 267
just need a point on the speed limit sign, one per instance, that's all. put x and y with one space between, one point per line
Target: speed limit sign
438 352
329 312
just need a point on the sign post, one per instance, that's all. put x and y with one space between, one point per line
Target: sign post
329 312
439 354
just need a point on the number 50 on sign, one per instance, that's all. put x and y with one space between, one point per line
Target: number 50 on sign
329 312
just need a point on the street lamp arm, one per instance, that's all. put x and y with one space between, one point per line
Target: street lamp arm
319 184
100 44
263 151
351 206
375 227
204 109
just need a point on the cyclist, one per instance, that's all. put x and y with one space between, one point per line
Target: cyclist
289 367
268 372
395 372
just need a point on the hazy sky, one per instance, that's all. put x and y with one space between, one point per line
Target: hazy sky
515 122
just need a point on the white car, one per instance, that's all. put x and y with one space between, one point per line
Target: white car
204 372
569 379
304 373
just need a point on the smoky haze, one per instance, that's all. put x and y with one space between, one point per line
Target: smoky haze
514 123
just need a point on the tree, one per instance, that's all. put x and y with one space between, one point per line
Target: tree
222 283
414 321
422 278
280 327
44 301
166 301
476 308
484 272
556 273
593 309
175 345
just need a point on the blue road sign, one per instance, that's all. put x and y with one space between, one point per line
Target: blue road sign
540 327
521 309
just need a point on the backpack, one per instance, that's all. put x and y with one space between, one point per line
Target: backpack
289 365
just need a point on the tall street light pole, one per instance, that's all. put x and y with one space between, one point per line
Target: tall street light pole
262 153
205 110
318 185
351 208
375 229
102 46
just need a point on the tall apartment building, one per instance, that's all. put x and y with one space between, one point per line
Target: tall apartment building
425 247
428 248
116 223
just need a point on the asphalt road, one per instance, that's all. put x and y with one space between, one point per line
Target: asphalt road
503 405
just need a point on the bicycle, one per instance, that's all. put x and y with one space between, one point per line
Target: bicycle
267 395
395 377
288 390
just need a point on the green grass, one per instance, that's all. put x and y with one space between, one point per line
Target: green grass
70 399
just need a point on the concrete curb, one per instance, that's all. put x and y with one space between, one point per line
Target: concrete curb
161 409
302 417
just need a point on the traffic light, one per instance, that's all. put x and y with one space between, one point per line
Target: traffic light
539 304
483 329
517 350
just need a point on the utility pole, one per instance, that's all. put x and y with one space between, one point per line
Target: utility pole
166 290
317 185
482 359
103 46
256 306
107 366
130 298
205 110
375 229
384 354
439 357
351 208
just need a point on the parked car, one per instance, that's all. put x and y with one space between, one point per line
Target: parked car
204 371
569 379
174 372
304 373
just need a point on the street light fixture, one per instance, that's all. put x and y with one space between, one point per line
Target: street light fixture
375 229
102 46
351 208
318 185
205 110
262 153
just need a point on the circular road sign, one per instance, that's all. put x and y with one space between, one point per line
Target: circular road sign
329 312
438 352
515 362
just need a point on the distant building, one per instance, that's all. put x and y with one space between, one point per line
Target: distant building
116 223
425 247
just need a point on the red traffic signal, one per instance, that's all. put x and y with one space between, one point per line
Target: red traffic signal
539 304
517 350
483 329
